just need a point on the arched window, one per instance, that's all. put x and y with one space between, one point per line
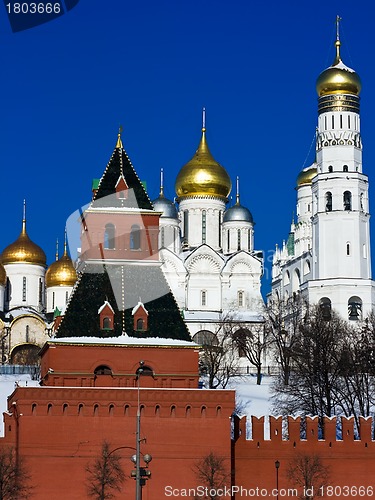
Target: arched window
306 267
228 240
135 237
361 202
348 249
238 239
240 298
286 278
103 370
328 201
203 298
355 308
107 324
347 200
345 168
330 169
140 324
326 307
24 289
205 338
296 280
109 237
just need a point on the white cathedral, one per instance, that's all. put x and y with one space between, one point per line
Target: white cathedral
207 247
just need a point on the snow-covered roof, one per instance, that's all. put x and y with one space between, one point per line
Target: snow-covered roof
123 340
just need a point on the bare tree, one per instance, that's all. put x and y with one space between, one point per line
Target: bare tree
316 358
283 318
218 359
212 473
14 477
253 343
105 474
309 474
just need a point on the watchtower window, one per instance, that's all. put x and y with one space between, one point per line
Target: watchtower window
109 237
355 308
135 237
140 324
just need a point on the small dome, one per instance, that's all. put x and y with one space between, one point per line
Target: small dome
61 272
203 175
238 213
23 250
306 175
3 276
338 78
165 206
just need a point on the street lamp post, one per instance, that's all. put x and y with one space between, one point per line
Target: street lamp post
277 465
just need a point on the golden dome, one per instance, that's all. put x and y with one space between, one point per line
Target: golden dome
23 250
3 276
61 272
203 175
338 78
306 175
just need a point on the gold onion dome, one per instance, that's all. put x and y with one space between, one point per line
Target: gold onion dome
338 78
61 272
23 250
306 175
3 276
203 175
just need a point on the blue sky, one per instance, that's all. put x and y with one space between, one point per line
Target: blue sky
151 66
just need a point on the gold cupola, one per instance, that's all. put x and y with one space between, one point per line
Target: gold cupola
203 175
23 250
62 271
338 78
306 175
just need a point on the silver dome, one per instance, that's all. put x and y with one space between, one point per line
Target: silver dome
166 207
238 213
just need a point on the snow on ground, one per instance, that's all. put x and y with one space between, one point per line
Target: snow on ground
253 399
7 385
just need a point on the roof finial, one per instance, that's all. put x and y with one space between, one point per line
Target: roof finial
119 141
161 182
204 120
237 190
57 249
337 43
24 217
65 243
338 19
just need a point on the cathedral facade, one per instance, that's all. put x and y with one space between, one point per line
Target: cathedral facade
326 257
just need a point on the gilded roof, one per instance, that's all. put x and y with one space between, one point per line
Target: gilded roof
23 250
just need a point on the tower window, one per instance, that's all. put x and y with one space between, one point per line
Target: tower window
249 240
203 226
340 121
355 308
330 169
238 239
326 307
53 301
140 324
348 121
162 237
345 168
24 289
347 199
333 121
220 223
240 298
109 237
27 333
135 237
66 297
325 123
228 240
186 227
107 323
361 202
348 249
328 201
203 298
40 291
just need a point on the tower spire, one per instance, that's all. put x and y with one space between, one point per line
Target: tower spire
237 190
24 218
337 43
204 120
65 244
57 249
161 182
119 141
